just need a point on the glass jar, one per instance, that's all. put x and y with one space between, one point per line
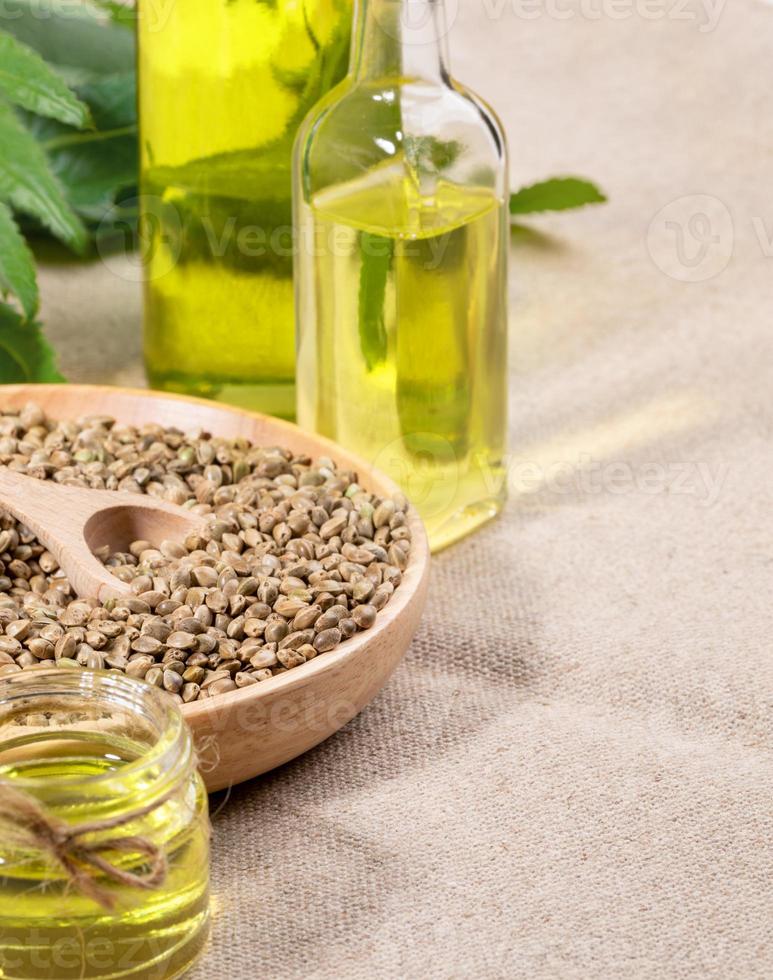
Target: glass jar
104 832
223 85
400 192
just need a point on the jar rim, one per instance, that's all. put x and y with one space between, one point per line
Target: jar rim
171 753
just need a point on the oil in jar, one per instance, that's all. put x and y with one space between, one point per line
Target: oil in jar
48 927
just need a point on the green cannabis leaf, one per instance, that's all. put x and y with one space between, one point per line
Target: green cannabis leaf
97 167
91 46
30 188
26 182
428 155
27 81
118 12
24 353
77 39
17 267
556 194
376 252
68 129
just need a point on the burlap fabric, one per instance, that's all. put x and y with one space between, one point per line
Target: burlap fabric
570 775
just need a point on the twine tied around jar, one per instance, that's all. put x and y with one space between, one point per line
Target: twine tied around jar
28 824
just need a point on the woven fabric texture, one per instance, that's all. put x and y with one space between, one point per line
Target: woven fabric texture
570 774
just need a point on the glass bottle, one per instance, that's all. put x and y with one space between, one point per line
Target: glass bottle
223 85
90 748
400 190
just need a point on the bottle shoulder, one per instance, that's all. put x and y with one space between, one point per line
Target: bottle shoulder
436 128
388 104
488 115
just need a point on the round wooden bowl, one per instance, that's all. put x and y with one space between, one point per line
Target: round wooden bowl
247 732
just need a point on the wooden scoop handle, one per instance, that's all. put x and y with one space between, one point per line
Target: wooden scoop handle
72 521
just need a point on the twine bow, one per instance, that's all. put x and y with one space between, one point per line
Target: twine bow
31 825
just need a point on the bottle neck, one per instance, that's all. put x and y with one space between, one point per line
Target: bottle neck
399 39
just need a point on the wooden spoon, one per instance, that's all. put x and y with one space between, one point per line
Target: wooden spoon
72 522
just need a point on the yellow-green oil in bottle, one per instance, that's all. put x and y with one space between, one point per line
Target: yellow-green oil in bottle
223 85
48 929
402 339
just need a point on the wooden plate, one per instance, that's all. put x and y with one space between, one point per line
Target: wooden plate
246 732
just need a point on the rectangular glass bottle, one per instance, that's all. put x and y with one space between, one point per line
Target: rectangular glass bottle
223 85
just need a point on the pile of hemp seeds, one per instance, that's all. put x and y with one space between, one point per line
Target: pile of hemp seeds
293 557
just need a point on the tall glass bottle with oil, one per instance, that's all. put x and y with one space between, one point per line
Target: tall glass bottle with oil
223 85
400 191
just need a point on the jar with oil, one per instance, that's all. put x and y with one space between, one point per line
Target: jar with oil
111 755
223 85
401 221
